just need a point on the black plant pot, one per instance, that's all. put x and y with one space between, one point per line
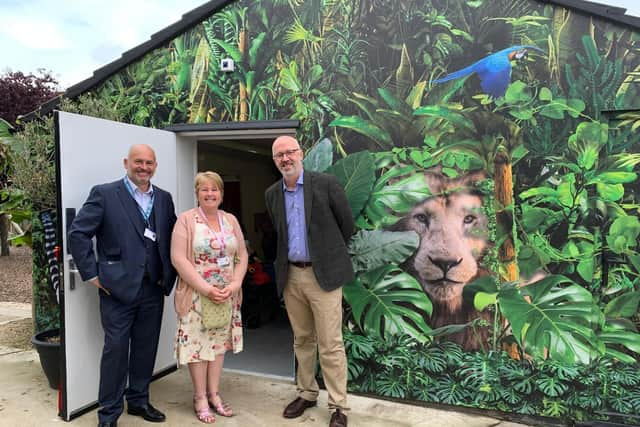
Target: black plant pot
49 353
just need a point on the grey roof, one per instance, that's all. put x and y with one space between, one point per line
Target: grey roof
197 15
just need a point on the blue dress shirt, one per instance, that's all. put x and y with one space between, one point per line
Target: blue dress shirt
296 223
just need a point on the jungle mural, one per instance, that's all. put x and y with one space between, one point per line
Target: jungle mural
489 152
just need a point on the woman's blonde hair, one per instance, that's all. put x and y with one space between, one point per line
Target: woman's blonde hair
209 176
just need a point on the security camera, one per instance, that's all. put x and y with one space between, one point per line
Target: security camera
226 64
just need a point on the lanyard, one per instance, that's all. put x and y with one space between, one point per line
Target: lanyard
146 213
215 233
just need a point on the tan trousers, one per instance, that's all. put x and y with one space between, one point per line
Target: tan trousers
316 320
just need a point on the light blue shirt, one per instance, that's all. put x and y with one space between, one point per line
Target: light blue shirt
144 200
296 223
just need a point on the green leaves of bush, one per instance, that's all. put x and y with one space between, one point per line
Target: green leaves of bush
399 366
623 234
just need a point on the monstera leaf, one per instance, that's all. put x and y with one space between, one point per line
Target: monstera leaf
546 317
319 158
388 301
394 194
372 249
356 173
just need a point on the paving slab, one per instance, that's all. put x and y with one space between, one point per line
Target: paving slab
10 311
27 400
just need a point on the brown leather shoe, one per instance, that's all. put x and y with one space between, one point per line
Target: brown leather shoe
338 419
297 407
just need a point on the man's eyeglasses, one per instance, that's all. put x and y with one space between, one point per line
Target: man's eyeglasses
288 153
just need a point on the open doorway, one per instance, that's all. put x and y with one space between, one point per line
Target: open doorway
247 170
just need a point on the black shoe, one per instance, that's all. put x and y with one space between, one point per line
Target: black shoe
338 419
107 424
147 412
297 407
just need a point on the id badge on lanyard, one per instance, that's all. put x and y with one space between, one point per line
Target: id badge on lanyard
149 234
222 261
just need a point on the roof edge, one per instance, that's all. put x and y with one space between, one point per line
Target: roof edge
189 20
195 16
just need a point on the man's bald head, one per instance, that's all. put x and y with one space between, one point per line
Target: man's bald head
141 148
287 156
285 141
141 165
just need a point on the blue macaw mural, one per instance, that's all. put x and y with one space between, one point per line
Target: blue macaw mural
494 70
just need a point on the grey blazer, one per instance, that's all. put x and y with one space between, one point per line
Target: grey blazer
329 227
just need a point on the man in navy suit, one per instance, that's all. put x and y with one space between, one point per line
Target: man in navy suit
132 222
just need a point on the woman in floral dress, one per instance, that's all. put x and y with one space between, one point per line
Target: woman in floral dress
209 253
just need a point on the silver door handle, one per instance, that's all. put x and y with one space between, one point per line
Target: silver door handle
72 277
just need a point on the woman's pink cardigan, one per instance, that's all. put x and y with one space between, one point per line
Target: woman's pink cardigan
188 277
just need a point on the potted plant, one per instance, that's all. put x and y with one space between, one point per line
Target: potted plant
14 206
34 172
47 343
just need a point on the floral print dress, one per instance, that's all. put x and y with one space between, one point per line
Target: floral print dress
194 342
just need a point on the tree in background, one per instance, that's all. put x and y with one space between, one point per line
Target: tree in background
19 94
22 93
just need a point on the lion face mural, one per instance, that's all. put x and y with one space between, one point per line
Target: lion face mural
453 240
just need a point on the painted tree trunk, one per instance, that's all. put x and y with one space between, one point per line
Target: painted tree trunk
244 108
503 191
503 181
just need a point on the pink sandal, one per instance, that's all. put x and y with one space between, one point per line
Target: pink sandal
221 407
204 415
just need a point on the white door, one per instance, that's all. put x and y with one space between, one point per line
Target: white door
91 152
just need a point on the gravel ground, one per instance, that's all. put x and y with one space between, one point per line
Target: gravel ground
15 275
17 334
15 286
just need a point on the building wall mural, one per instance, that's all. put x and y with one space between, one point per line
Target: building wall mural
489 151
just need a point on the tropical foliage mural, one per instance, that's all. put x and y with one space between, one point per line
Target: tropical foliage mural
490 153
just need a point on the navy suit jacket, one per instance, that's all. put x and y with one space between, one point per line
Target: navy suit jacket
112 215
329 227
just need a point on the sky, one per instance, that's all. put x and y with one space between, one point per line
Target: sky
72 38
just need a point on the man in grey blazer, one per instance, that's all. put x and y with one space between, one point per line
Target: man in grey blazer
313 221
132 223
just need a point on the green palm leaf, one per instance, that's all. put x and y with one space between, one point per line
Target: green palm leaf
366 128
625 305
229 48
319 158
628 339
198 91
448 391
356 173
388 301
289 78
298 33
373 249
557 319
551 386
255 49
394 194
